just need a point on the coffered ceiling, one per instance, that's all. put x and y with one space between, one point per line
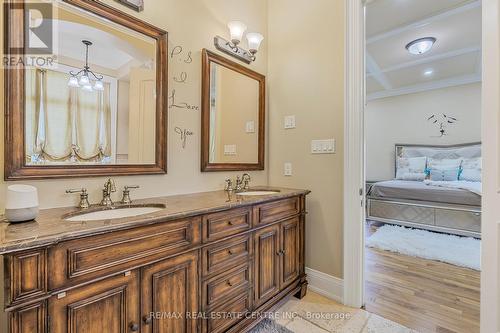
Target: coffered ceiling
455 58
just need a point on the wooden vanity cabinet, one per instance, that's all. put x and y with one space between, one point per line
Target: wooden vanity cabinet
277 258
111 305
174 276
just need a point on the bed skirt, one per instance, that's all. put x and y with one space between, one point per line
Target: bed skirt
454 219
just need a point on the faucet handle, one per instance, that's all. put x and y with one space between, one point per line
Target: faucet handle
246 181
77 190
126 194
84 197
229 185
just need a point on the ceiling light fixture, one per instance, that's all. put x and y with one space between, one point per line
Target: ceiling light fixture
237 30
82 78
429 72
421 45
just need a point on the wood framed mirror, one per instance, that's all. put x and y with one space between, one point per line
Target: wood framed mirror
98 108
233 116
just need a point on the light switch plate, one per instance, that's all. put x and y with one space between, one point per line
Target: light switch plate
250 126
229 149
288 169
289 122
323 146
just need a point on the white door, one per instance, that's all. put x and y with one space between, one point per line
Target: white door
142 116
490 229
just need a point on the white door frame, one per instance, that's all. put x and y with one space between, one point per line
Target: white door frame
490 307
354 212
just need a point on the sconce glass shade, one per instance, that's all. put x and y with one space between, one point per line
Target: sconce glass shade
73 82
84 80
87 87
236 29
254 40
99 86
421 45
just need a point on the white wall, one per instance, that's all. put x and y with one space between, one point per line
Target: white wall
403 119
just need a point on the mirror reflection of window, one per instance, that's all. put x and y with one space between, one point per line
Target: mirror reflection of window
234 116
97 105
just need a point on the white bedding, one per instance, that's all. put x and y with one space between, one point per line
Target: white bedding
474 187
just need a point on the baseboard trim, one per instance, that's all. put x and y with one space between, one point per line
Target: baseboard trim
326 285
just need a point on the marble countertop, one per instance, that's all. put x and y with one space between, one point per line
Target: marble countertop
51 227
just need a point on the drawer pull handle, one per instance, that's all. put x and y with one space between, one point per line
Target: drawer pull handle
134 327
230 252
280 253
229 222
147 320
229 283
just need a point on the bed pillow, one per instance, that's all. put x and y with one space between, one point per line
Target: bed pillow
411 168
470 175
444 174
471 170
444 163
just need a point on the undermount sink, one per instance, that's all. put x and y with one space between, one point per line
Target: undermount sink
255 193
115 213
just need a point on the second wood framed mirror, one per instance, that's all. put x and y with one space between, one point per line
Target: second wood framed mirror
98 109
233 116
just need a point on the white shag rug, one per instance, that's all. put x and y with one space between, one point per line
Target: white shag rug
460 251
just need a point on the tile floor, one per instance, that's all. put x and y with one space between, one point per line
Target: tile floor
318 314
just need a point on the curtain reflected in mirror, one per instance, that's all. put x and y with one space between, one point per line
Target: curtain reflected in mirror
97 104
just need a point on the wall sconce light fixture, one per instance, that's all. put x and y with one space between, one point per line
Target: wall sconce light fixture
237 30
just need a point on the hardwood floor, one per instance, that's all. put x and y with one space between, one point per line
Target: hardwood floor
425 295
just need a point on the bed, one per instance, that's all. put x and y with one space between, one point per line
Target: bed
415 204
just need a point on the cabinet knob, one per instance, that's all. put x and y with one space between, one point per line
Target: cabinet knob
147 320
229 283
134 327
229 222
280 253
230 252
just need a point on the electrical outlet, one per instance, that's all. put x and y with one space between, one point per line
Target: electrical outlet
323 146
229 150
288 169
250 126
289 122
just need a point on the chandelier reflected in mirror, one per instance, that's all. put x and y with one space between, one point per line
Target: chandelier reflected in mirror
83 79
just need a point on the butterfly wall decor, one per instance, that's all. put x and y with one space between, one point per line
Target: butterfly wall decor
442 122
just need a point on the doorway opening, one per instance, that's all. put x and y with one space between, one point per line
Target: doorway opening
423 170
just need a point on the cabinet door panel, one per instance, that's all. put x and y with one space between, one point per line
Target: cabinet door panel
290 245
170 291
267 243
110 306
28 319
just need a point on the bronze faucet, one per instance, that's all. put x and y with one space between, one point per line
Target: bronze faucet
109 187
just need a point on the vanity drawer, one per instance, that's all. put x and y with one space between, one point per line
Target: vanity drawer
26 270
227 223
226 315
221 256
276 210
96 256
226 286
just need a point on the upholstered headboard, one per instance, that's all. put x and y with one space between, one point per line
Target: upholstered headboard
465 150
